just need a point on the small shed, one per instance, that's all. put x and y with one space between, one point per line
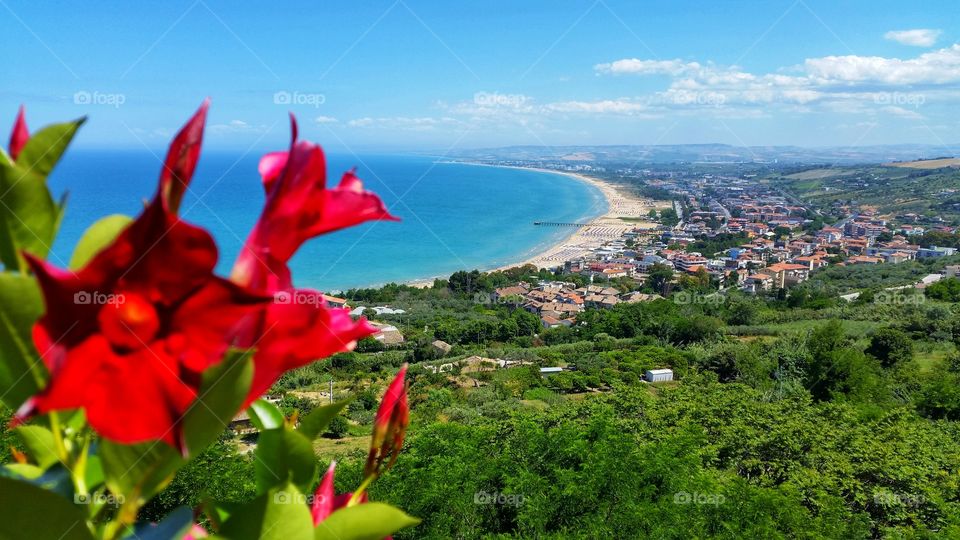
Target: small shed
659 375
550 370
442 347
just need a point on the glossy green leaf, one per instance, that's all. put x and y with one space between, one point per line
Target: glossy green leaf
21 371
368 521
29 511
96 237
23 471
28 216
45 147
316 421
222 393
265 415
40 444
284 455
138 470
279 514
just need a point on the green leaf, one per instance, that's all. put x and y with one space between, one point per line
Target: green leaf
45 147
21 371
138 471
368 521
40 444
265 415
279 514
284 455
27 510
317 420
28 215
21 470
96 237
222 393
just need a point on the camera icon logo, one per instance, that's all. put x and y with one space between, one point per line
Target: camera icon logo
281 98
82 298
82 98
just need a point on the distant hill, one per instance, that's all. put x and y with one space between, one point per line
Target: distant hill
937 163
713 153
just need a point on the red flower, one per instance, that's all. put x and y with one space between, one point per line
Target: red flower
300 207
19 135
127 336
182 159
298 328
389 426
325 501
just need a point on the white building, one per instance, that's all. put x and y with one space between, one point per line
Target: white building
659 375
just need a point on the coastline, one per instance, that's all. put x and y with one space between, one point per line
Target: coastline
582 241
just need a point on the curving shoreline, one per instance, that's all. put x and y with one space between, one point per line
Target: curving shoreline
603 228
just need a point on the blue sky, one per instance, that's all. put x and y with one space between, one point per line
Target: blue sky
443 75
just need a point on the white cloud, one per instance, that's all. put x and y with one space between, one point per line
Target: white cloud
934 67
918 37
636 66
607 106
422 123
325 120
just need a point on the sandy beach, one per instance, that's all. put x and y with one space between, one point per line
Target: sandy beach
625 212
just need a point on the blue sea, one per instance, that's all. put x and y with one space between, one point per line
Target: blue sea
455 216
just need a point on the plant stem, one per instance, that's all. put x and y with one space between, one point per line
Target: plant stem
355 498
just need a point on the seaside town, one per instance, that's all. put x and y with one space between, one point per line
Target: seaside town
760 239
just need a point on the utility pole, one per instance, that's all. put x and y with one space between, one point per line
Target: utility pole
331 388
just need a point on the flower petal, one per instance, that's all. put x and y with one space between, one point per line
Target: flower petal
19 135
128 398
299 332
323 497
182 159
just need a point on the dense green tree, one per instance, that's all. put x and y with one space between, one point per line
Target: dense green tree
890 346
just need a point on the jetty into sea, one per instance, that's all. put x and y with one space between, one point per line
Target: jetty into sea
560 224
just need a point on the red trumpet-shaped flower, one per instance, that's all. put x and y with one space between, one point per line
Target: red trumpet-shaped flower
298 328
299 207
326 501
389 426
19 135
128 336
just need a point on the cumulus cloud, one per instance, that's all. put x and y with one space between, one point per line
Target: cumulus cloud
325 120
934 67
849 83
918 37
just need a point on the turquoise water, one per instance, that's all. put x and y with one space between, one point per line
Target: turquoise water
455 216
